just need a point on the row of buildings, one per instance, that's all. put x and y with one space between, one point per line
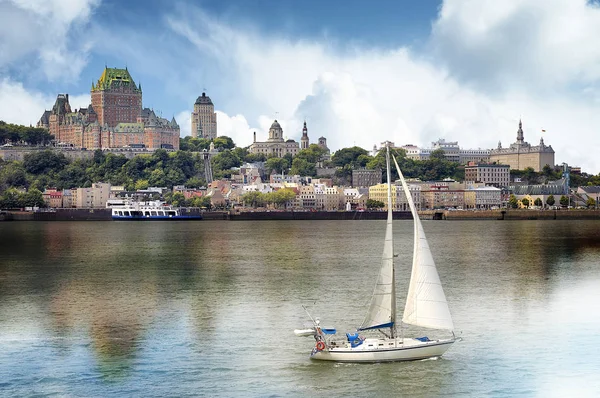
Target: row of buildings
321 194
518 155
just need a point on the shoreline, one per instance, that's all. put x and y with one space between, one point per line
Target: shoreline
512 214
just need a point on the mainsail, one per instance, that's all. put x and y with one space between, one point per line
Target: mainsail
426 304
382 311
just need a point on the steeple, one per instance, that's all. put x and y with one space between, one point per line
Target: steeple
304 142
520 139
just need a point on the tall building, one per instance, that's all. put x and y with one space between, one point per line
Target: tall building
115 98
304 142
204 118
275 145
114 119
521 154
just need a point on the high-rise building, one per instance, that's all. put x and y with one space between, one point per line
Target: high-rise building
204 118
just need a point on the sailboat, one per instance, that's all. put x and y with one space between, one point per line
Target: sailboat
426 306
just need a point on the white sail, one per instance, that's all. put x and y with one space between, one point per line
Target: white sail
426 304
382 311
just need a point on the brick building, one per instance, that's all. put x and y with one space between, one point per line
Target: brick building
114 119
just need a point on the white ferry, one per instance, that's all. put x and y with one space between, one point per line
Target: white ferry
156 210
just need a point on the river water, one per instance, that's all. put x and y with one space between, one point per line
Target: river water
208 308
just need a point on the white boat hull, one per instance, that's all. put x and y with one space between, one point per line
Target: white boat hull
377 350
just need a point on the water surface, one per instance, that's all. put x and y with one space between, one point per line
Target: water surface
208 308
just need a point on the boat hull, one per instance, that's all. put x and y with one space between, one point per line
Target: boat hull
156 218
410 350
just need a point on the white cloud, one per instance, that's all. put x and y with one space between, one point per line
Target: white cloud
488 69
487 64
48 32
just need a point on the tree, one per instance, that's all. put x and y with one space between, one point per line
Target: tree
538 202
33 198
550 200
253 198
512 201
564 201
223 142
525 202
303 167
374 204
276 165
283 196
348 156
590 202
45 161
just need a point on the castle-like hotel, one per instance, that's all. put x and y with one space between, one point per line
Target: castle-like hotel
114 119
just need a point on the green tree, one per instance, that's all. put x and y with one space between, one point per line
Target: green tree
513 202
590 202
525 202
33 198
303 168
141 185
283 196
276 165
348 156
44 162
550 200
374 204
253 198
223 142
538 202
564 201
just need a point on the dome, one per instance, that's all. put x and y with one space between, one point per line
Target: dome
290 140
275 125
203 100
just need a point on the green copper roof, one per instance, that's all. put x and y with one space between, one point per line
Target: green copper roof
114 77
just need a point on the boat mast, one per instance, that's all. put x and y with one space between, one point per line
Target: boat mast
389 222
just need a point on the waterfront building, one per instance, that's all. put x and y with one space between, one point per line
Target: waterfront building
520 154
306 197
497 175
365 178
114 119
94 197
440 196
590 192
401 203
204 118
53 198
275 145
484 197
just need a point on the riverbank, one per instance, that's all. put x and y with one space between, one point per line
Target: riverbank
512 214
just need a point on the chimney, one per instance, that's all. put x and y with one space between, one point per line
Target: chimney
255 136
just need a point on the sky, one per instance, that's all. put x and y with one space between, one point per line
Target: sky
359 73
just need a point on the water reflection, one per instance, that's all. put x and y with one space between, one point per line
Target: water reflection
205 300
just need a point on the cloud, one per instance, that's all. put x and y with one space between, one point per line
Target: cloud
21 106
486 64
486 69
47 33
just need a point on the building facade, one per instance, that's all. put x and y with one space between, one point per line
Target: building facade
275 145
497 175
204 118
452 152
520 154
365 177
114 119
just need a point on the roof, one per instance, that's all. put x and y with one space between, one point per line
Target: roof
203 100
275 125
590 189
114 77
546 189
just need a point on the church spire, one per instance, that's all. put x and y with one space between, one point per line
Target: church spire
520 138
304 140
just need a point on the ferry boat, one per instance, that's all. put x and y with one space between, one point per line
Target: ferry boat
148 211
